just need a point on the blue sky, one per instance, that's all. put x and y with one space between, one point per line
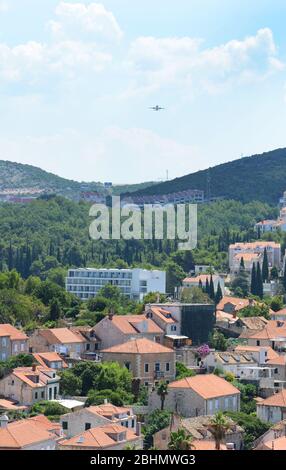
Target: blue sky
77 79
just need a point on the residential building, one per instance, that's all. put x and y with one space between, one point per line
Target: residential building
50 359
148 361
134 283
273 225
253 252
198 428
273 335
91 341
117 329
232 305
61 340
96 416
244 367
106 437
202 279
28 385
36 433
12 341
273 408
198 395
195 321
234 326
163 318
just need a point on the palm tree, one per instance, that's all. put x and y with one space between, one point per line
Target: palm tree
180 440
218 427
162 391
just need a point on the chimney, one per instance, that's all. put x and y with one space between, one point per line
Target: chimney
4 420
138 429
105 401
230 446
34 367
111 314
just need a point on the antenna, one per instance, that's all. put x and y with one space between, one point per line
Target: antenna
209 180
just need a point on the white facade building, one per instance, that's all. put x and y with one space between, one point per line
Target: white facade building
134 283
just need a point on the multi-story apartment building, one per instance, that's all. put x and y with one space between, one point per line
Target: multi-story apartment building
253 253
134 283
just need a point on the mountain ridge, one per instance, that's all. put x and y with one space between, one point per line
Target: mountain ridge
259 177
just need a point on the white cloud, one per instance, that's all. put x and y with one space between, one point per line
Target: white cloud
160 62
80 20
4 6
126 155
32 62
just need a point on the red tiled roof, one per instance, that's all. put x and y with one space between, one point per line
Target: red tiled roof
278 399
61 336
139 346
207 386
129 324
19 434
9 330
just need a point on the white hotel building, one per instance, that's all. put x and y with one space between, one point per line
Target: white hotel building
134 283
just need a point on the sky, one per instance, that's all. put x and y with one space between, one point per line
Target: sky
77 80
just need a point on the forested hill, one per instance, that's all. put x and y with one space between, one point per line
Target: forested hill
260 177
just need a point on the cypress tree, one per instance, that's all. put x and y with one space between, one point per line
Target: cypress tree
218 295
265 269
253 286
259 281
212 291
207 286
200 284
242 263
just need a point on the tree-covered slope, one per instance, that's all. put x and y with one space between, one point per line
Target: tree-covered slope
260 177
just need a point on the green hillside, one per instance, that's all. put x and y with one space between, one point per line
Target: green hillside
260 177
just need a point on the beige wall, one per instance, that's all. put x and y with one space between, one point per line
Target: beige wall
77 420
189 404
12 387
138 361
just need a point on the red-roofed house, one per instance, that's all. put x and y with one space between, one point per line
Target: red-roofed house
37 433
61 340
272 409
12 341
50 359
107 437
147 360
199 395
27 385
117 329
96 416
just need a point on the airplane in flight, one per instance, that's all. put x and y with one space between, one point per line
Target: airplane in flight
156 108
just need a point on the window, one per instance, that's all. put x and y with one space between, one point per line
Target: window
42 394
210 406
87 426
65 425
167 366
257 343
36 395
276 370
133 423
173 328
146 368
127 365
217 404
157 367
